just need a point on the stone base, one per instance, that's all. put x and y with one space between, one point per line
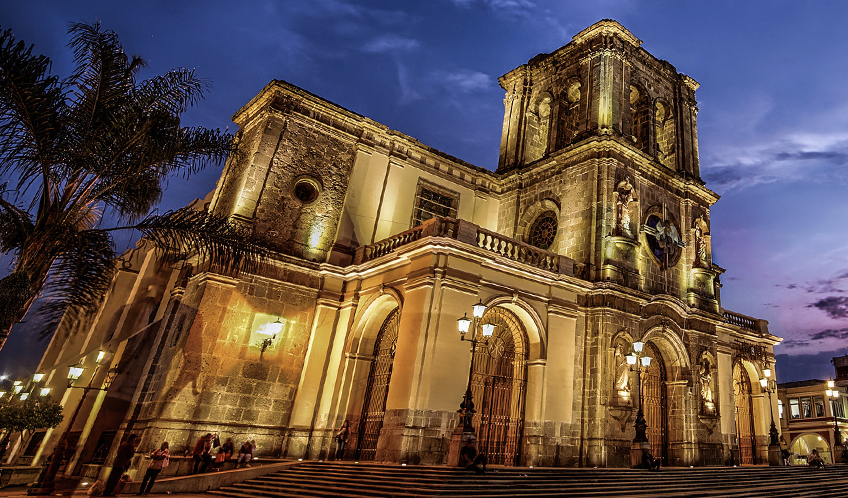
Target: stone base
636 452
456 441
774 458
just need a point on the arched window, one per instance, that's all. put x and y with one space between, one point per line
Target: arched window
568 116
666 135
640 118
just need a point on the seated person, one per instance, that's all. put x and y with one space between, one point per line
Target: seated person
815 460
470 458
648 460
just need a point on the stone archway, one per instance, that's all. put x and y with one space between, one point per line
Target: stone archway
499 385
655 399
363 348
680 406
744 415
377 390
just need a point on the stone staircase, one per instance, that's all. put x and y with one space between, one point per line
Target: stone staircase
313 479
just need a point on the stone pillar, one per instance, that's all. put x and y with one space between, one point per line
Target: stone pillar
404 422
561 369
252 179
305 410
726 406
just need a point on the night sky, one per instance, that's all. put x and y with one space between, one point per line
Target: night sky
773 120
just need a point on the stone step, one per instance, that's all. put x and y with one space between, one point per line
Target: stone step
313 479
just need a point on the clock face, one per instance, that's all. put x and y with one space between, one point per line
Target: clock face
664 240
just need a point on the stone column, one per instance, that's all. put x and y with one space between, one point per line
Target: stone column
304 409
403 422
252 179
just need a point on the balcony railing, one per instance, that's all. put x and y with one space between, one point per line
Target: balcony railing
470 233
745 322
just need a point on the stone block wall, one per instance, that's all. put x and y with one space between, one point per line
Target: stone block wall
212 375
297 228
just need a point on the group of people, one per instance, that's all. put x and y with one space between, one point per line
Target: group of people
160 458
202 453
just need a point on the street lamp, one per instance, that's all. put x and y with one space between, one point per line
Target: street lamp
833 394
466 408
46 483
770 386
641 364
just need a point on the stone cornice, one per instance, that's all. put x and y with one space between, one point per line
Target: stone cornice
607 144
606 27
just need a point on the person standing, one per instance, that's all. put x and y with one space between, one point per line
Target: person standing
122 462
159 459
341 439
201 454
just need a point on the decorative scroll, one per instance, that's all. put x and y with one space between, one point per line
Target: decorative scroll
750 352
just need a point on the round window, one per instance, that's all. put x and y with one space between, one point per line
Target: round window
663 240
543 230
306 190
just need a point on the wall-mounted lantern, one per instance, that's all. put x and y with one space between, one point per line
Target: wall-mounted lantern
270 331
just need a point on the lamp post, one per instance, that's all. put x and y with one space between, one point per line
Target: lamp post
833 394
466 408
639 364
769 386
46 483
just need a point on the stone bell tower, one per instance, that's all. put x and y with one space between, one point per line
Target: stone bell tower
604 134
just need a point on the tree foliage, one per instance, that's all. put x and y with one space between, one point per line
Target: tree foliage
95 149
35 413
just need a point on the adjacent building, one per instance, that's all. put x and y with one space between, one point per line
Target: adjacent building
592 233
812 415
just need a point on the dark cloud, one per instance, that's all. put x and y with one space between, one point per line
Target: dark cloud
724 175
794 343
834 306
792 286
840 158
791 368
830 334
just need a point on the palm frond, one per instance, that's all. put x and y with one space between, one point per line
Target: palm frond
15 224
185 232
15 292
173 92
82 274
31 102
133 185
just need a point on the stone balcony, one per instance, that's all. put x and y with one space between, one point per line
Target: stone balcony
469 233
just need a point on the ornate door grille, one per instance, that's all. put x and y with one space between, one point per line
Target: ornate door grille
744 415
374 406
656 403
498 386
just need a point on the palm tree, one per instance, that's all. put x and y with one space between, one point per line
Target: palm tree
87 156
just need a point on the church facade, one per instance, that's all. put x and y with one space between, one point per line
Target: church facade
592 235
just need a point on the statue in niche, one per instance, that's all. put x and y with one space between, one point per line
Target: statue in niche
624 196
705 376
700 243
622 371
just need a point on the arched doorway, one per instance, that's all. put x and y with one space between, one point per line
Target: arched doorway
743 399
655 400
803 445
374 406
498 384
